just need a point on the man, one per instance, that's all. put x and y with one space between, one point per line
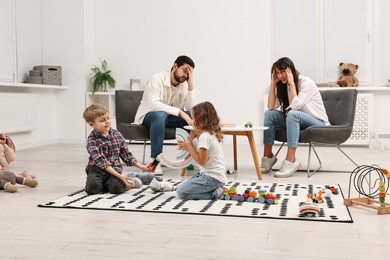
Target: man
167 94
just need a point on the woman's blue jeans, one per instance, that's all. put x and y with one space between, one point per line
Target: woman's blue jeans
200 187
294 122
157 121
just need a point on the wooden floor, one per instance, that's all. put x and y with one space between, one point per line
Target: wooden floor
30 232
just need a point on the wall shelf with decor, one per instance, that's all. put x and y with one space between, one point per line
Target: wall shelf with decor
28 85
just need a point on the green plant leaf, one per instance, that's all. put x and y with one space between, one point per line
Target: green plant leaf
101 77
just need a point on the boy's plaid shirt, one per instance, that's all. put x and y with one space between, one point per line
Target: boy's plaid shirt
106 151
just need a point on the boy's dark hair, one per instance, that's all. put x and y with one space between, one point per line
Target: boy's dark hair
181 60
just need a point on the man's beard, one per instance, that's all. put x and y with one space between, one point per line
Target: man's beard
180 80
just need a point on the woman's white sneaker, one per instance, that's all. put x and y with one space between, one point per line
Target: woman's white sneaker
288 168
267 163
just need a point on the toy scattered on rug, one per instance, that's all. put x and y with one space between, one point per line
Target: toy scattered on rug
183 159
7 151
309 208
373 190
348 78
8 180
267 197
318 197
321 194
261 196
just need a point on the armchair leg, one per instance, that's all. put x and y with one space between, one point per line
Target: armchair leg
144 151
277 152
311 172
311 146
338 147
280 148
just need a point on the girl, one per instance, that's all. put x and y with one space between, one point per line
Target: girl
301 106
207 151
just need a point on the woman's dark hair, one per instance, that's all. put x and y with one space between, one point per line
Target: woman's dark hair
181 60
281 88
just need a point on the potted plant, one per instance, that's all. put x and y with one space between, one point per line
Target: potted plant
101 77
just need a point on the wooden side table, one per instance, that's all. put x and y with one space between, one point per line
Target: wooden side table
240 131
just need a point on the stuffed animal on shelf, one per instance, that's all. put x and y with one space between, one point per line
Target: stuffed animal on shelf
8 180
348 79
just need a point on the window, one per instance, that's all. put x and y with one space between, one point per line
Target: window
319 34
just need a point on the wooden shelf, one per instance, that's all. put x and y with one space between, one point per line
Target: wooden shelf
100 93
28 85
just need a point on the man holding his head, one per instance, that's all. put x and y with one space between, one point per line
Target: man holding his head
166 102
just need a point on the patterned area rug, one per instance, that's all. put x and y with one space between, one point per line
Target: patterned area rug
289 197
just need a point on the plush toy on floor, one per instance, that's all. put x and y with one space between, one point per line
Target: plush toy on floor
7 151
8 180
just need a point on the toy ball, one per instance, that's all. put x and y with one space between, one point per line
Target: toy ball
328 193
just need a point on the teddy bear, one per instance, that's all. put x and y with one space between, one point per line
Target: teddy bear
348 78
8 180
7 151
7 155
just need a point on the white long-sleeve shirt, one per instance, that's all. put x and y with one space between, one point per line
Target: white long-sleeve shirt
160 95
308 100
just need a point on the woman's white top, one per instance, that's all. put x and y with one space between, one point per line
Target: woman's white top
308 100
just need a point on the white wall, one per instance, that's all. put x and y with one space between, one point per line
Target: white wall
229 41
63 44
59 112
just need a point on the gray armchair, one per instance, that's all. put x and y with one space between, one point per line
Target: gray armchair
126 105
340 107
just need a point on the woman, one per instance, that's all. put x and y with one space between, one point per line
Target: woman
294 103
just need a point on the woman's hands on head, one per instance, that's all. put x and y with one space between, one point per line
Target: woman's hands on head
274 77
290 76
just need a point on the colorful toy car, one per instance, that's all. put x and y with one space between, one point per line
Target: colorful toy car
249 195
266 197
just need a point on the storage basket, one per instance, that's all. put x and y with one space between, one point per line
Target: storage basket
52 75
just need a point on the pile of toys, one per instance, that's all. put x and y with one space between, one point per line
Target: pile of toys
261 196
310 208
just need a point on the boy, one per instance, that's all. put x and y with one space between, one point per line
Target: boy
105 146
